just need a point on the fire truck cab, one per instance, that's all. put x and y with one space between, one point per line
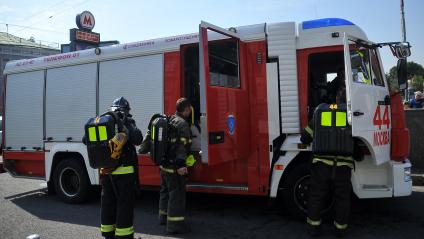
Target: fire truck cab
253 89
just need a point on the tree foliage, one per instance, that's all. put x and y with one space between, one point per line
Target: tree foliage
415 74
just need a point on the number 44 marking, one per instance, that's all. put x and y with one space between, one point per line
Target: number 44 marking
378 121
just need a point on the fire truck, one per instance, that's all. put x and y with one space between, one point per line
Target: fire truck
253 89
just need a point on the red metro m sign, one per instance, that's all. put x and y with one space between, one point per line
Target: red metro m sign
85 20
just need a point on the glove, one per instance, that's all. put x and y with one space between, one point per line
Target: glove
106 171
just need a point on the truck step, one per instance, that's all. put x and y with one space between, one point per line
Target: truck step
373 187
237 187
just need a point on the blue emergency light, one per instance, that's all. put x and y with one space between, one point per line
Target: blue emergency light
325 22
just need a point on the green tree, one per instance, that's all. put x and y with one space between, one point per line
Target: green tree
415 74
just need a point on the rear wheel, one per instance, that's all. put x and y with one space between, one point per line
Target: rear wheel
296 191
71 181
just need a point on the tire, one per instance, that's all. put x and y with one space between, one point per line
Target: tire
71 181
295 192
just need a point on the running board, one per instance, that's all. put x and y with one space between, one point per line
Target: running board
369 187
236 187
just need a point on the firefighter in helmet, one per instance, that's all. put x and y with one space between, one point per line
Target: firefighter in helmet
173 170
119 184
332 162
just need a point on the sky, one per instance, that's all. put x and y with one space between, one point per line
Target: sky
130 21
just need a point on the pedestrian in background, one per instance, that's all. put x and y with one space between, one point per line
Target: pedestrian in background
418 101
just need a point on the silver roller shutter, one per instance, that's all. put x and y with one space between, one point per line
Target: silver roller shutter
139 80
24 110
70 100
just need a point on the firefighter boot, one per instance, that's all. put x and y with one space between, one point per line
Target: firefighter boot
340 230
314 231
162 219
340 233
177 227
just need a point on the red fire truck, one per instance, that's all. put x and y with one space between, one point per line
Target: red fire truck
253 89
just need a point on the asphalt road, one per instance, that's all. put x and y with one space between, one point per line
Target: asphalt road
25 208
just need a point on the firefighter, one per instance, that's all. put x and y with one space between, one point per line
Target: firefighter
119 184
174 171
335 85
331 164
363 66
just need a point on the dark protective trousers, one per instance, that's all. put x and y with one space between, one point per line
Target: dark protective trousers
172 201
117 208
325 180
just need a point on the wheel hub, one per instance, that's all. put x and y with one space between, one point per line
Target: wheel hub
69 181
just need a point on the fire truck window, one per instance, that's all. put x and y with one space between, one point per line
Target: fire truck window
224 63
377 77
360 63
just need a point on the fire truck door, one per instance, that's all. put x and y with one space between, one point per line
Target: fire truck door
224 107
368 101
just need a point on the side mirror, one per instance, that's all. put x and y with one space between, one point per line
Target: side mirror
402 74
402 50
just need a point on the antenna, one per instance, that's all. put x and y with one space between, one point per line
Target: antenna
402 21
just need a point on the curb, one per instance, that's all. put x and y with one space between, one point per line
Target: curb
417 179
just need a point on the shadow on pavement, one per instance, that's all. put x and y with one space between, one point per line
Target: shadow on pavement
229 216
210 216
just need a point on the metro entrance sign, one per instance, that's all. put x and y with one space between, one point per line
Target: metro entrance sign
85 20
83 37
90 37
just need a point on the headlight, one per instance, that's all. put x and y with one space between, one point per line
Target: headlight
407 174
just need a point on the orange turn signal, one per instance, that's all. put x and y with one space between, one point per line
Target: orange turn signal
278 167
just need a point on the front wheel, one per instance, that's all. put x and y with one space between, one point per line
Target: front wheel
71 181
296 191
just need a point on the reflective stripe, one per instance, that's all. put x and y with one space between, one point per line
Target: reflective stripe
326 118
153 132
175 219
312 222
183 140
326 161
162 212
124 231
340 119
173 140
92 134
168 170
107 228
102 133
347 158
309 131
123 170
192 115
331 162
350 165
340 226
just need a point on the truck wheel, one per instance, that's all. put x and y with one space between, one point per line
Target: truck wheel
296 191
71 181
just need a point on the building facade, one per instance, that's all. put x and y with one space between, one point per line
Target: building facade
16 48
